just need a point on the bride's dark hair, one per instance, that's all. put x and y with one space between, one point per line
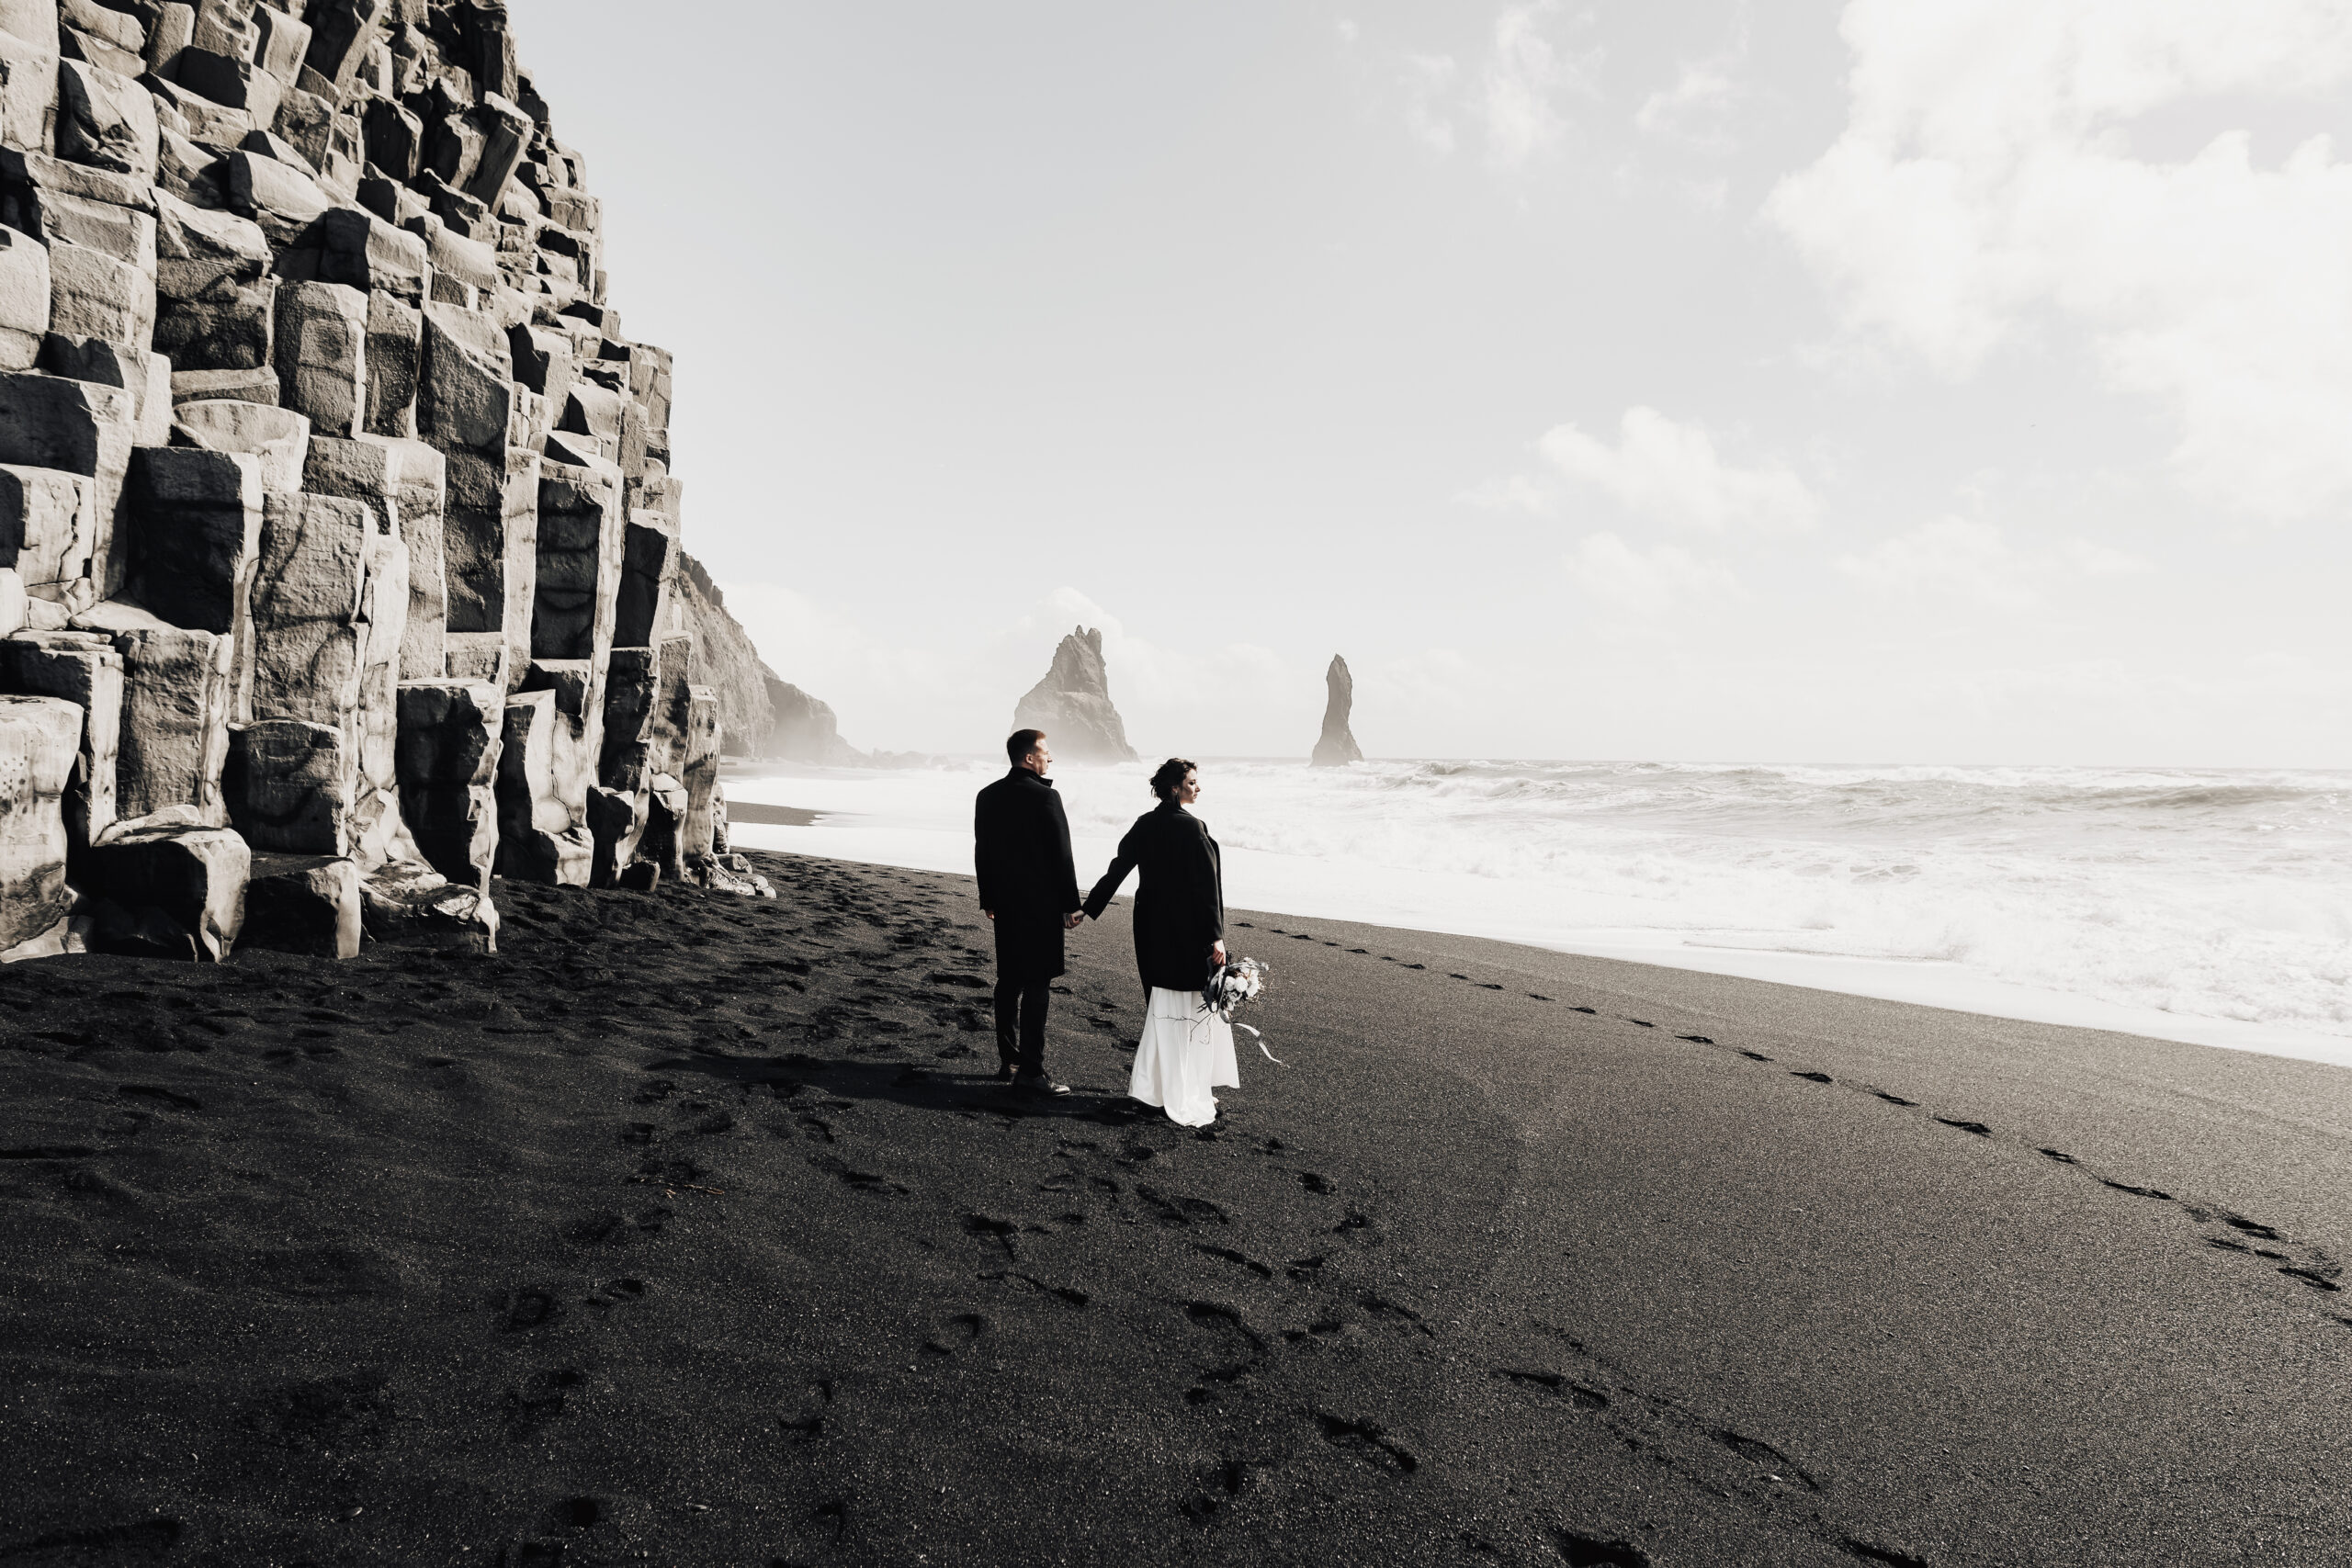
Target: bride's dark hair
1169 778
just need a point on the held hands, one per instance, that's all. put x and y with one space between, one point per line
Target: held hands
1072 921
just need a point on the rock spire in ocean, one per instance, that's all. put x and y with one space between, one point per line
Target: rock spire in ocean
1338 746
1072 704
342 563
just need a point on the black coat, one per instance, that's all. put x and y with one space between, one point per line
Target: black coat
1020 849
1180 904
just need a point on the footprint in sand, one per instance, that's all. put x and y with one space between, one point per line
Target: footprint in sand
162 1095
579 1514
109 1543
1581 1395
533 1406
528 1307
1238 1259
1582 1550
955 1335
1233 1347
1369 1441
1231 1479
1758 1452
808 1421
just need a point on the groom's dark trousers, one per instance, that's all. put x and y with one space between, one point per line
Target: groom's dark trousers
1020 850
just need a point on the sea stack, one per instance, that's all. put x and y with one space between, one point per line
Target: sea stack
1072 704
1338 746
339 548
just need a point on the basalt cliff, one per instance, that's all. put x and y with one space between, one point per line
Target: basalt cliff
726 662
339 550
1072 704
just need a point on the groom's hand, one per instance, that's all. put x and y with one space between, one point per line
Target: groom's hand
989 913
1074 920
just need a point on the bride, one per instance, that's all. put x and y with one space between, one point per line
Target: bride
1186 1050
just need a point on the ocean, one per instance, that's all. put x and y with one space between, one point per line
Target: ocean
2213 907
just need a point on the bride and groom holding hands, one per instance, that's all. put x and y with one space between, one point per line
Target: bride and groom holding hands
1029 892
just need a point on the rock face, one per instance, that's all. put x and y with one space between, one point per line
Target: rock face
1072 704
41 736
337 532
805 730
1338 746
726 662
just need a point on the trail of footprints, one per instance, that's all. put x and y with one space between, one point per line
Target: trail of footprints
1315 1310
2223 1229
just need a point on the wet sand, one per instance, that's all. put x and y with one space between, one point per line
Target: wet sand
693 1230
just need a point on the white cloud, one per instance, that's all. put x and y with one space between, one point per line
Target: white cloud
1672 472
1349 31
1512 99
1516 93
1433 678
1983 182
1619 577
1427 78
1691 111
1517 493
1958 558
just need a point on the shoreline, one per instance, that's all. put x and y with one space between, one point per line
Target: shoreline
694 1229
1914 982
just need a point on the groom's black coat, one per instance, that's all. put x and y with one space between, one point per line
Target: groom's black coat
1180 903
1020 849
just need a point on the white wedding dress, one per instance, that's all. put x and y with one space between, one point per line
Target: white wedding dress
1186 1051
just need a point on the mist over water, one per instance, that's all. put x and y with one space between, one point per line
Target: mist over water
2207 895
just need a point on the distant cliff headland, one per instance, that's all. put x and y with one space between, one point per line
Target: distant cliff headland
339 550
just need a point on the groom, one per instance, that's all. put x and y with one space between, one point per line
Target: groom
1029 888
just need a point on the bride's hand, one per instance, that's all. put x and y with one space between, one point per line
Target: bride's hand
1216 953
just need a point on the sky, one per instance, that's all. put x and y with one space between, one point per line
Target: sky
1927 380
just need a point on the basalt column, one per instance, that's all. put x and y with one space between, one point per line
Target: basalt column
339 548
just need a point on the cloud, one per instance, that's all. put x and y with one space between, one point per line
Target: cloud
1960 558
1427 78
1691 112
1630 582
1984 185
1672 472
1517 493
1516 92
1512 99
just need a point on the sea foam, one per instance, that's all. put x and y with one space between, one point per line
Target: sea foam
2221 897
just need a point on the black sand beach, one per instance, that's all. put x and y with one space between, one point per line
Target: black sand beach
711 1240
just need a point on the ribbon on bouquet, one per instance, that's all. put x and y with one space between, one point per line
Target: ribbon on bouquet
1210 1012
1262 1046
1218 1000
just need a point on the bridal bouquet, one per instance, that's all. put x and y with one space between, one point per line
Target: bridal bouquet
1232 985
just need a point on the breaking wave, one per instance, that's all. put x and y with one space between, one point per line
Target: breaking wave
2213 894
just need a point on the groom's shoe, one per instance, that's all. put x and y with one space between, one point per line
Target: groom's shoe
1038 1083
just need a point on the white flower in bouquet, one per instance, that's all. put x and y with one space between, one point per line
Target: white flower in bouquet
1232 985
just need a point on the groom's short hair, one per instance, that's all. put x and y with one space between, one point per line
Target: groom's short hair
1020 743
